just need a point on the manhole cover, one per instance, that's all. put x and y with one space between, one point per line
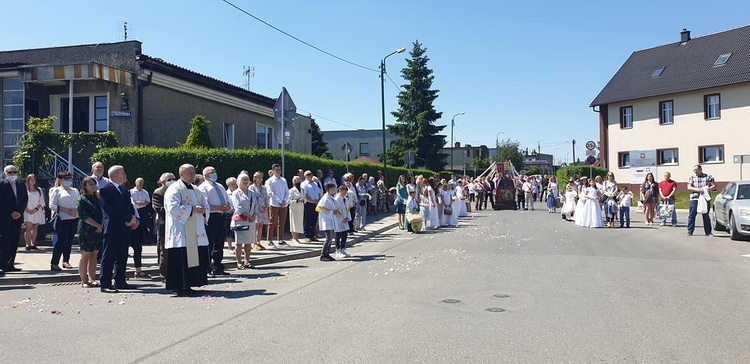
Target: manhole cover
496 309
450 300
501 295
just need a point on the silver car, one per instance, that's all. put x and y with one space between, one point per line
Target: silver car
732 210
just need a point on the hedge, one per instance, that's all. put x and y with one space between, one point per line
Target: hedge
563 174
151 162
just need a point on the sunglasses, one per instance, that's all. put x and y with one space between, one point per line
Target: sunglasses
12 172
169 179
67 177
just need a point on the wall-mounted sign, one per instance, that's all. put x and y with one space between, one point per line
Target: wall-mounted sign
642 158
121 114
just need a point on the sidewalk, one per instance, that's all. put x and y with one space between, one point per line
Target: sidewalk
36 263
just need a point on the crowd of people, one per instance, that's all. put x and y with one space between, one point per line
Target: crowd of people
192 217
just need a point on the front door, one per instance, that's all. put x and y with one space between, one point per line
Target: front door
81 114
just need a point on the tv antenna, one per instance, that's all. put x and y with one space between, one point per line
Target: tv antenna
122 30
248 72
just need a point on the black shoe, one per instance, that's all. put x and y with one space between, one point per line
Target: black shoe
28 248
327 258
33 247
211 275
108 290
222 273
124 286
13 269
191 292
180 293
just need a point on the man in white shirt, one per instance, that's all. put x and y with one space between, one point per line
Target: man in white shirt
330 179
312 197
218 200
142 203
528 190
278 193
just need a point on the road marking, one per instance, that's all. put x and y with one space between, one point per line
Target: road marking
746 255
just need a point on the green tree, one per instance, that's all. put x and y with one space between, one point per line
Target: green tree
415 127
509 150
319 147
199 136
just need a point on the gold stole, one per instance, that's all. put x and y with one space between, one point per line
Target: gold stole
191 233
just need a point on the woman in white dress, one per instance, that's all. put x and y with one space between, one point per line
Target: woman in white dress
424 204
453 219
592 209
569 206
578 211
461 199
243 220
296 209
34 214
434 222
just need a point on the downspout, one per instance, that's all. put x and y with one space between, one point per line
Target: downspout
140 84
603 134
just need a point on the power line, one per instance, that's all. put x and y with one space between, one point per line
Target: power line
464 134
297 39
394 83
327 119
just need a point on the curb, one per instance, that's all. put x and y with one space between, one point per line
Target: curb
154 270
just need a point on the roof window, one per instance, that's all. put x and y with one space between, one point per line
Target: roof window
657 72
722 60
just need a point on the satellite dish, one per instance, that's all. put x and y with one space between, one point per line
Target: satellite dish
288 133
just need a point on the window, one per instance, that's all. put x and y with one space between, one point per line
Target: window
722 60
667 157
90 114
712 106
467 153
260 130
730 189
666 114
100 114
626 117
657 72
623 159
269 139
364 148
13 117
711 154
228 136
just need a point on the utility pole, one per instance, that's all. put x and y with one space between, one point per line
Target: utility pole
574 152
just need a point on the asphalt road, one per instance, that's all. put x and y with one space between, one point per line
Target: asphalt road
503 287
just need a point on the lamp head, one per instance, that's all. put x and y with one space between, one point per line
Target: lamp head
400 50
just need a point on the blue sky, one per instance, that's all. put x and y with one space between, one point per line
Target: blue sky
528 69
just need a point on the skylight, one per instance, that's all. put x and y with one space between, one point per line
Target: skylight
657 72
722 59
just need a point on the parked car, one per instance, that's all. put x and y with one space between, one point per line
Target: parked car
732 210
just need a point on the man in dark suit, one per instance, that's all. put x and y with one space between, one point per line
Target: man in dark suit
118 219
13 199
157 202
489 192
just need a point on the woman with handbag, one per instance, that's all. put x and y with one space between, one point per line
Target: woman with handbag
34 214
446 196
262 200
649 196
243 220
401 196
609 199
63 204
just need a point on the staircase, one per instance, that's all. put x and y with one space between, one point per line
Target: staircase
58 164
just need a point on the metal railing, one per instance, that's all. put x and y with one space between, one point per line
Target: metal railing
57 164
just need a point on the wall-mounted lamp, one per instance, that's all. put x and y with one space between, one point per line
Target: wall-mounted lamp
125 102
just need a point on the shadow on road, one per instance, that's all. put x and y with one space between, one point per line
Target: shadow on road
367 258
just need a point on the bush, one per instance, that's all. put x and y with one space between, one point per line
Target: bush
199 136
151 162
563 174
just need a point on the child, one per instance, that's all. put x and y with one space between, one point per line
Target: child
569 206
625 198
326 219
413 218
342 221
552 203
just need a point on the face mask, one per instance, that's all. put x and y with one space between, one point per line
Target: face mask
12 178
67 183
169 183
213 176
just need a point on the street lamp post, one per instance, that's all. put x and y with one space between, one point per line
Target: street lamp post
453 123
382 104
497 138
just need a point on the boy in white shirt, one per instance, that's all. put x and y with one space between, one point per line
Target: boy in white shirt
343 204
625 197
327 214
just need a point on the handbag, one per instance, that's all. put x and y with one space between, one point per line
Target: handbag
603 199
447 210
236 217
363 202
239 227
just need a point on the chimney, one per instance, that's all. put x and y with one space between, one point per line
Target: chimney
457 145
685 35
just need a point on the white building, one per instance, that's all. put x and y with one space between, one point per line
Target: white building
671 107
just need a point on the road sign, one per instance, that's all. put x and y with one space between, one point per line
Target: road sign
590 152
590 160
590 145
284 105
288 133
410 158
347 148
741 158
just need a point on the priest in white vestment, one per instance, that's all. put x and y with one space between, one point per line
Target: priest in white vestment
187 212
